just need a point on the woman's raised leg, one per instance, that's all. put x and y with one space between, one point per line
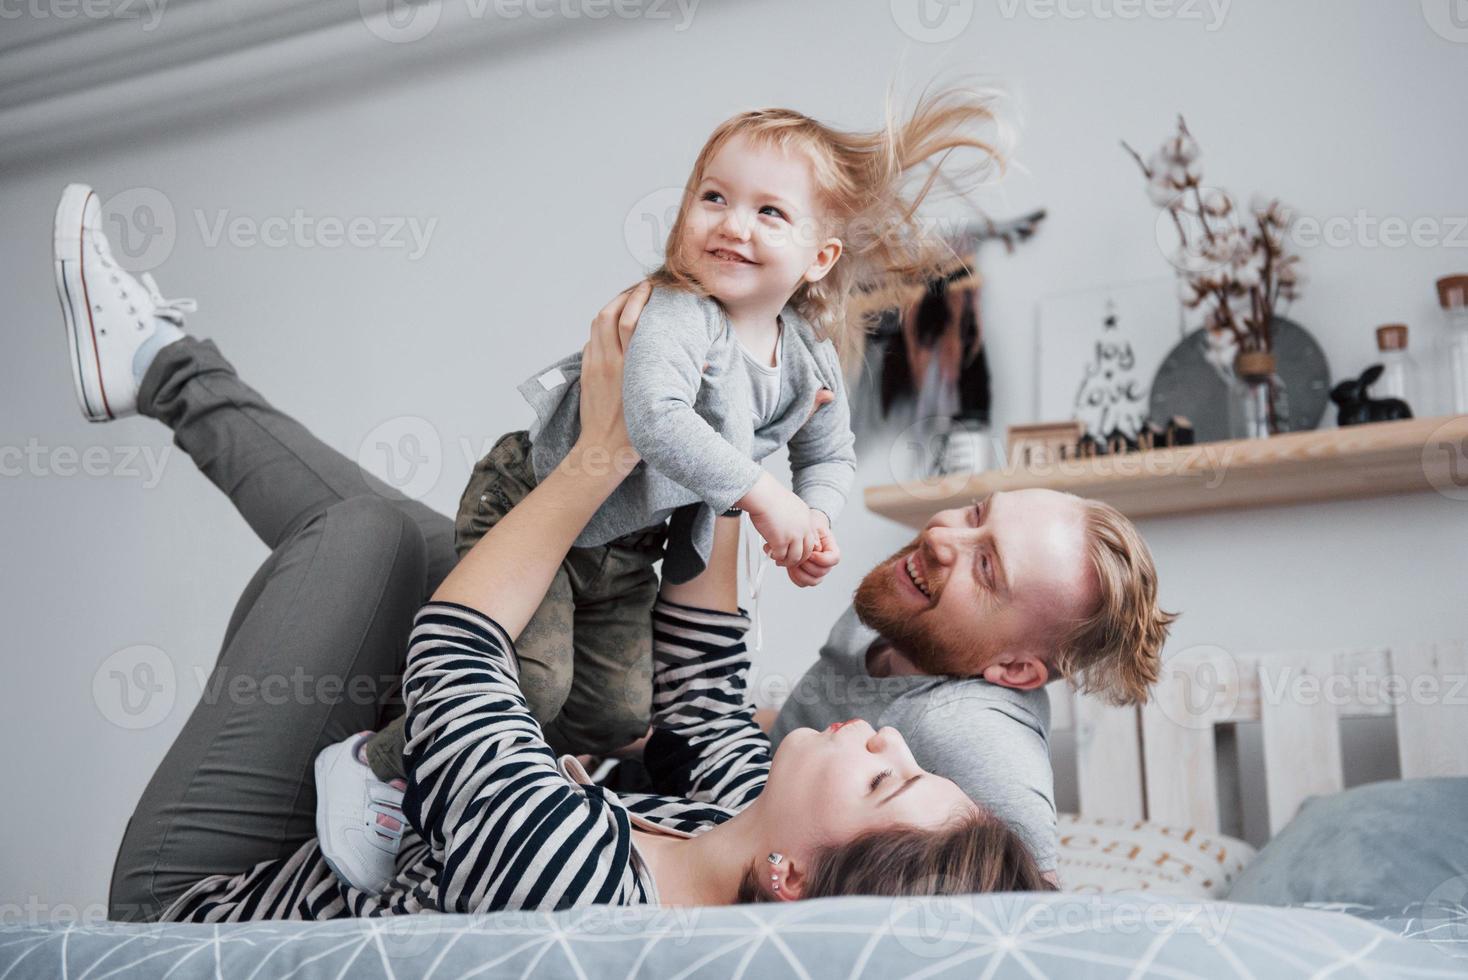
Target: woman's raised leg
274 470
318 637
316 641
129 354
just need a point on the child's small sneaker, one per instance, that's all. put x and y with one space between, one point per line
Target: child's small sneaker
359 818
114 323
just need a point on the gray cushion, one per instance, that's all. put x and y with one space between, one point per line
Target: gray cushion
1382 844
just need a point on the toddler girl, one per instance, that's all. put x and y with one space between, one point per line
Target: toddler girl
783 220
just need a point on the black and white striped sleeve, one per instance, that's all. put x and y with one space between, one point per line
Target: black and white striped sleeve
507 828
705 744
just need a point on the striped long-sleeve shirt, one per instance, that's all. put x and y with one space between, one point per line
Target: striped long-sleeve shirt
496 821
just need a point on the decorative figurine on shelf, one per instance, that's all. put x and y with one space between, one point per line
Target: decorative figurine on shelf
1046 443
1043 443
1179 432
1151 436
1355 405
1118 442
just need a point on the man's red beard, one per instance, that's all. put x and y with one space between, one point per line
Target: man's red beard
916 634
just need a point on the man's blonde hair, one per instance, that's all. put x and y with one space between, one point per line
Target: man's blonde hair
1117 651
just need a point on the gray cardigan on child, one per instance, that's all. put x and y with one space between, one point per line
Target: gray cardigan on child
686 398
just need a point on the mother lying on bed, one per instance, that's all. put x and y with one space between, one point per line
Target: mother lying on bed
496 821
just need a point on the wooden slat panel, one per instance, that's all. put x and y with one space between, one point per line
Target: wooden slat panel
1197 689
1301 732
1181 773
1300 699
1357 688
1432 709
1108 760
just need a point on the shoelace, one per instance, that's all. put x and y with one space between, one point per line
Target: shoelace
755 563
172 310
388 823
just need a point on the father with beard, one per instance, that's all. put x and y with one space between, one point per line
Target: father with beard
952 639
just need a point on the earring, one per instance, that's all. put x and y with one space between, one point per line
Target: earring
775 858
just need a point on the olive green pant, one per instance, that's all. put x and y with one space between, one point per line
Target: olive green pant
586 655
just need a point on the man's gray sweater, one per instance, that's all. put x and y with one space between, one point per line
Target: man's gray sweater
993 741
686 398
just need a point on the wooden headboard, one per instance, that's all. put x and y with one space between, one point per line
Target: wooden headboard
1161 762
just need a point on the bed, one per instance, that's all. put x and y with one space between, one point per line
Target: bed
1153 886
977 935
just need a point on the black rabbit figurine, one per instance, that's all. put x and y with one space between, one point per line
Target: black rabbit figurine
1355 405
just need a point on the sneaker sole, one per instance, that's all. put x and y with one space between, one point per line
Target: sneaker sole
323 825
71 288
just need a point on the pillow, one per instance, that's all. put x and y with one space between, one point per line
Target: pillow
1102 855
1382 844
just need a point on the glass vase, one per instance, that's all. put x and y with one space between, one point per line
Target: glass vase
1258 403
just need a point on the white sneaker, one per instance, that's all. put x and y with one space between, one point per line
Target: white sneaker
359 818
110 316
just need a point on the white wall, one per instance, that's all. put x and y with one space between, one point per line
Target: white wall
529 151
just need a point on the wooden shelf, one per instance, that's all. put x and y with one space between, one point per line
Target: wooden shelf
1331 464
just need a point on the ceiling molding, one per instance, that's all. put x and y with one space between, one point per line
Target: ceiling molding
156 65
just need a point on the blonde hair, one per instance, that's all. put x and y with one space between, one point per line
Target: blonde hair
1117 651
979 854
861 180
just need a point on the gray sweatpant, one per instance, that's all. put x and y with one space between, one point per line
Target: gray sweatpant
325 619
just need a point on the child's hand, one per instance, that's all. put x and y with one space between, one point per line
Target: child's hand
784 520
822 560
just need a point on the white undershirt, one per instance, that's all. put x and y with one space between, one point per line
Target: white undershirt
764 382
